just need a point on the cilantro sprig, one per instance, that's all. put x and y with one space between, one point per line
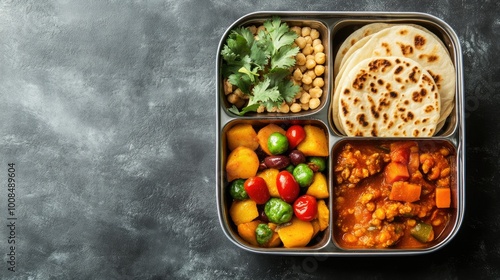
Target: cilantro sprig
260 67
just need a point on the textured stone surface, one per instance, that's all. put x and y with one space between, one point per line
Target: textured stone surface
108 111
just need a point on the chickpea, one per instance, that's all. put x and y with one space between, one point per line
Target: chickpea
301 42
318 82
284 108
315 92
298 83
375 222
305 98
318 48
300 59
295 108
411 222
261 109
303 68
306 79
240 94
359 232
309 40
261 28
233 98
305 31
370 206
379 214
314 103
311 74
297 30
384 236
308 49
316 42
297 75
306 87
253 29
304 106
310 63
319 70
228 87
320 58
298 94
349 238
314 34
309 56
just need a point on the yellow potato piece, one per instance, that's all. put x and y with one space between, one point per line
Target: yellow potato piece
247 232
319 186
242 135
264 134
323 215
269 175
315 143
315 224
297 234
275 240
242 163
243 211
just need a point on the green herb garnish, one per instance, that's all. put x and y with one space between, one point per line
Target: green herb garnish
260 67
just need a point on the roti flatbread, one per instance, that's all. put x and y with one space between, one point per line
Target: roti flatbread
358 38
417 44
387 97
353 38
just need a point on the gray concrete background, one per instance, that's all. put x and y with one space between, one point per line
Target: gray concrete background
107 109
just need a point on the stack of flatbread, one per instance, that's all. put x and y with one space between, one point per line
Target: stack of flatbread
392 80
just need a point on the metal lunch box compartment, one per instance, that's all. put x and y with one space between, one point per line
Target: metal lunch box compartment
372 189
297 21
334 28
319 241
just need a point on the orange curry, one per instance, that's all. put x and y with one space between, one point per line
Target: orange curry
391 194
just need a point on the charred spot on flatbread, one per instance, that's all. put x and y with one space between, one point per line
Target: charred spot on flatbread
406 50
419 42
379 65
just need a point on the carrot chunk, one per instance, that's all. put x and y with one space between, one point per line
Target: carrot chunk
443 197
404 191
395 171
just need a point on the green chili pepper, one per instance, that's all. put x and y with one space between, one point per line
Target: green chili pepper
237 190
303 174
422 232
263 233
278 211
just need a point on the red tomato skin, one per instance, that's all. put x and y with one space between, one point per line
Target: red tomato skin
306 207
295 135
257 190
288 188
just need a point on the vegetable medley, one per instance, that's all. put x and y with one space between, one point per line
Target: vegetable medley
273 68
276 179
391 194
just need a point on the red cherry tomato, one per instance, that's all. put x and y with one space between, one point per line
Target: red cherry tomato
305 207
288 188
257 190
295 135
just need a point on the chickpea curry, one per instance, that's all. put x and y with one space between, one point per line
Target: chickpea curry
391 194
